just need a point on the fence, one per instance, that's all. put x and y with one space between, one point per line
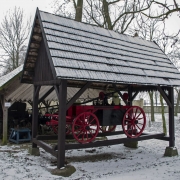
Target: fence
147 108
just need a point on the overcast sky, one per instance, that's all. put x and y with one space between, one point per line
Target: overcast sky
29 6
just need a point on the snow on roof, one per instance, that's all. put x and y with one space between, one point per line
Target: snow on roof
6 78
80 51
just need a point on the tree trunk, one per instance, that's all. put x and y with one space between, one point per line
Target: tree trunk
152 106
156 97
79 11
177 104
106 15
163 116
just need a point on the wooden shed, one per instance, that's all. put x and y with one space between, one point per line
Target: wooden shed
64 53
11 90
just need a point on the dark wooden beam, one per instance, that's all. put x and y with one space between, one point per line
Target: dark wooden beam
135 94
77 95
55 137
119 92
35 113
37 89
62 123
50 82
45 104
104 134
56 89
130 96
46 94
47 137
30 102
171 118
164 95
164 138
144 88
112 141
45 146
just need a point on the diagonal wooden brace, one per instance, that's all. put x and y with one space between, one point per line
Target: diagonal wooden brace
164 95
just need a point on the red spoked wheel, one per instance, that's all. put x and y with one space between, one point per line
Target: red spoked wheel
85 127
134 122
107 128
68 129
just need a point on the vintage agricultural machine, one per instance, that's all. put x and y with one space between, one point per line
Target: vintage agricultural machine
84 122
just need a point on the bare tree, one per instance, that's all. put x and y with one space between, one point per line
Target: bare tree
111 14
79 10
69 8
13 35
164 44
154 30
174 55
149 29
164 9
115 15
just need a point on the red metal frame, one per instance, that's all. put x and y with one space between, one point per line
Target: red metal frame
84 125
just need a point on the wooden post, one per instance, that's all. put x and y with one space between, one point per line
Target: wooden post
62 123
5 121
130 96
35 113
133 144
171 150
171 118
5 126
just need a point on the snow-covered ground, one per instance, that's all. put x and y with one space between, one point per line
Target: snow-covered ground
104 163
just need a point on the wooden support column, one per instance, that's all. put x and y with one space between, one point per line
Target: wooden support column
133 144
62 123
171 118
35 114
5 121
130 96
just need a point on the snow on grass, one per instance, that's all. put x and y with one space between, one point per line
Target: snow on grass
103 163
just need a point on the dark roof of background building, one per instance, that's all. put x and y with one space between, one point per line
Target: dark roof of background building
86 52
5 79
13 90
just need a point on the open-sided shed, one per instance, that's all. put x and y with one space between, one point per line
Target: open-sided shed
11 91
64 53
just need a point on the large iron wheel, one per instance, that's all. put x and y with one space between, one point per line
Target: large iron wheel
85 127
134 122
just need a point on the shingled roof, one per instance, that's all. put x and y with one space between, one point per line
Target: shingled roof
83 52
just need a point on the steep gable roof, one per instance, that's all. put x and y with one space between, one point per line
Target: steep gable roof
83 52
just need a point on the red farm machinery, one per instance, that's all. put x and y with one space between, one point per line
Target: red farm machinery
84 122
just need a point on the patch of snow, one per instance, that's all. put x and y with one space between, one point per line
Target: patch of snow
115 162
